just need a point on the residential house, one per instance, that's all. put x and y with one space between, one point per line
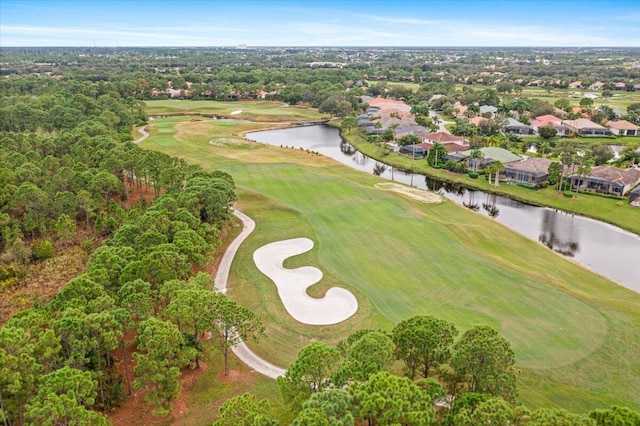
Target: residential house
550 120
491 154
575 85
623 128
585 127
488 109
514 126
477 121
607 180
578 110
620 86
634 197
407 129
532 171
444 138
415 151
598 85
636 87
618 112
461 109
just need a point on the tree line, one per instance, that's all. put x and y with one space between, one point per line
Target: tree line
448 380
67 361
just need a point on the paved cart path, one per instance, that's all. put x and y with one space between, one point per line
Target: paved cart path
241 350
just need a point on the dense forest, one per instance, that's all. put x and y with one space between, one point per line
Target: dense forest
69 179
72 177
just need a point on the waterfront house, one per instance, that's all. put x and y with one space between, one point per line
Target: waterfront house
491 154
444 138
532 171
607 180
415 151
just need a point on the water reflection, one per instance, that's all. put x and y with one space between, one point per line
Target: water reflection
347 149
379 169
558 234
490 205
471 203
442 187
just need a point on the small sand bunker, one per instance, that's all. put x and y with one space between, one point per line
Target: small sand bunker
236 112
338 303
415 193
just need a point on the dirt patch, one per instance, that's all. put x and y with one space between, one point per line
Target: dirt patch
43 281
415 193
135 411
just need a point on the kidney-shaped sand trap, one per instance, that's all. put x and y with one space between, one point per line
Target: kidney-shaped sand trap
337 305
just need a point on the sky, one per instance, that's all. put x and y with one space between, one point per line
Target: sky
105 23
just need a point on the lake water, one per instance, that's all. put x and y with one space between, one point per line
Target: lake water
606 249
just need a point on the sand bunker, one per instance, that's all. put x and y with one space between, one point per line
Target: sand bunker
415 193
337 305
236 112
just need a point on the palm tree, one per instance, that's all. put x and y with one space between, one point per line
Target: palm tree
490 170
584 161
475 155
436 153
393 128
497 168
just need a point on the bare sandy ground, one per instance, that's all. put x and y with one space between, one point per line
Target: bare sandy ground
415 193
338 303
236 112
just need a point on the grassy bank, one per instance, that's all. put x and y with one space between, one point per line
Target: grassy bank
576 335
589 205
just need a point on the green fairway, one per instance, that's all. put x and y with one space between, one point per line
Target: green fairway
244 110
576 335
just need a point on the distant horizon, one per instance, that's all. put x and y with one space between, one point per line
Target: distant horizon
249 47
314 23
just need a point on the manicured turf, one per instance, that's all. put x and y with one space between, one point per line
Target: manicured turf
576 335
251 110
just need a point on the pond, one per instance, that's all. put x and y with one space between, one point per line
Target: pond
605 249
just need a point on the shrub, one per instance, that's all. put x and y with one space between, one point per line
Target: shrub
42 250
473 175
544 184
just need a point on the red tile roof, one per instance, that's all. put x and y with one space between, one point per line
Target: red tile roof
622 125
443 137
545 120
